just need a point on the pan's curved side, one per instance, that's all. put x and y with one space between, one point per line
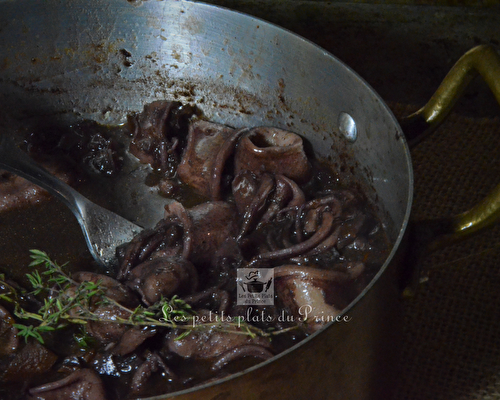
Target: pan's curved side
102 59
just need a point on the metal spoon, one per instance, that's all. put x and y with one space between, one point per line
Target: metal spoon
104 230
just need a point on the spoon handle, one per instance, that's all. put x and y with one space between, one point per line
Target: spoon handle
16 161
103 230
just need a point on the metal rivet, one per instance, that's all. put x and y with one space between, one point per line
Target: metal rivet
347 127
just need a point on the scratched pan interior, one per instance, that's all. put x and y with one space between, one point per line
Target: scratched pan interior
104 59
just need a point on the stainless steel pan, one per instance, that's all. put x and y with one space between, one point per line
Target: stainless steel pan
102 59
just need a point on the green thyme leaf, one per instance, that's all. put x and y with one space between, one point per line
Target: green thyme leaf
71 302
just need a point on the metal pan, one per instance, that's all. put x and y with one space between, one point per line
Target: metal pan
104 59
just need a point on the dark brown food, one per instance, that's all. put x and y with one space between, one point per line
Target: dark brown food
158 134
83 384
263 203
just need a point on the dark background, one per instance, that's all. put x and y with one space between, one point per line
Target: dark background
402 49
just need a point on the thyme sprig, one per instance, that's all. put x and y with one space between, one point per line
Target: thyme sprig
66 302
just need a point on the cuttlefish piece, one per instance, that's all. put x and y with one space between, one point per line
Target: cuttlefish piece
212 223
266 149
204 142
303 290
150 141
8 333
163 277
218 346
83 384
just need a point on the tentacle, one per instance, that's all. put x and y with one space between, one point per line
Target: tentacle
143 245
332 201
249 350
281 196
83 384
298 197
220 160
152 364
180 212
300 248
326 244
258 203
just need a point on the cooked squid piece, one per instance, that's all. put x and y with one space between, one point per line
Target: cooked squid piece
153 364
304 291
9 341
163 277
83 384
30 360
212 223
158 133
194 234
118 338
205 139
267 149
218 347
244 198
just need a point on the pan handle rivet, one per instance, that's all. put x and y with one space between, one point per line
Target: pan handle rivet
347 127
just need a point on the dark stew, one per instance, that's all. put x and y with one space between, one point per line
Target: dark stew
262 245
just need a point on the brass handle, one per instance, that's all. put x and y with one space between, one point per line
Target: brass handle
482 60
435 234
